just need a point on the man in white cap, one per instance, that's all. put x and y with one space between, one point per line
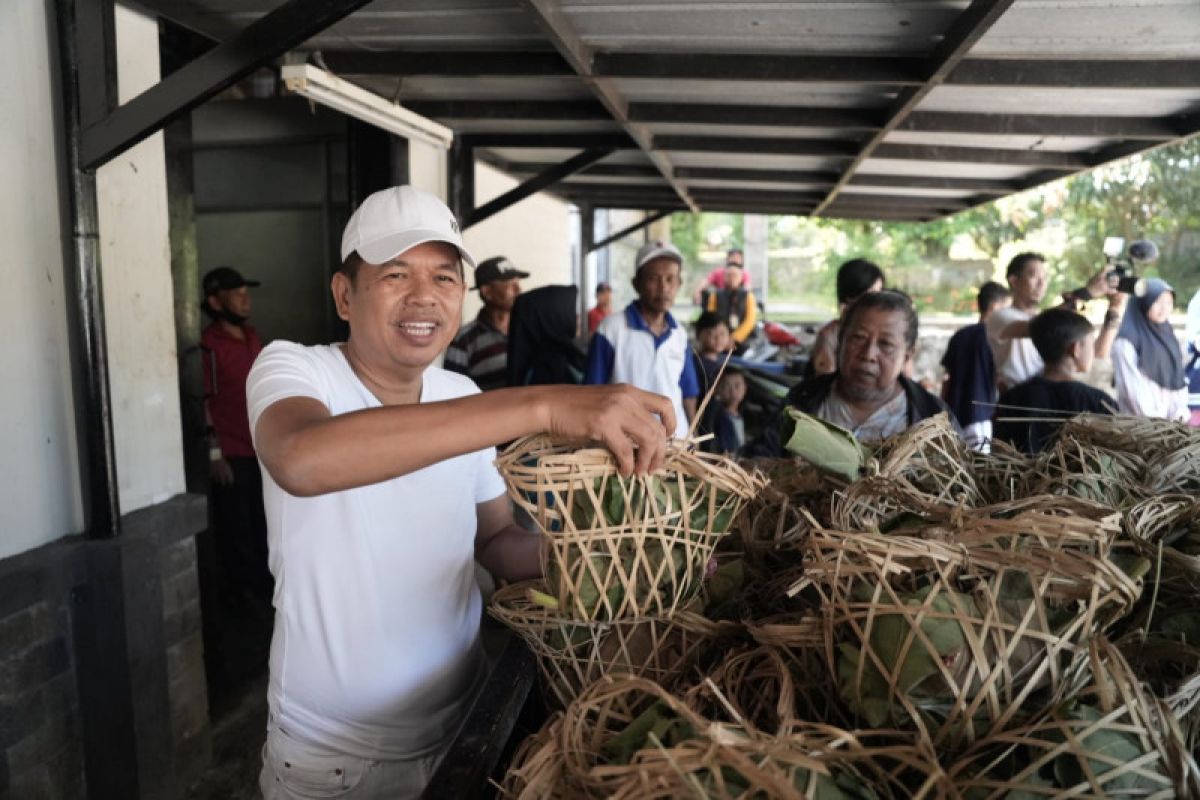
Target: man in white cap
644 345
380 491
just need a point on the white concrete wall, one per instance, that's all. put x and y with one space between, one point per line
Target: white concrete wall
138 300
427 165
535 234
39 492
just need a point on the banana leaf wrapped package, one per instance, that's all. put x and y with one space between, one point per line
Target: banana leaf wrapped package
573 654
1092 473
631 739
955 641
624 547
824 445
1111 739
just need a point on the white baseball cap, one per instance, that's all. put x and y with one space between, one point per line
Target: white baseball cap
657 249
397 219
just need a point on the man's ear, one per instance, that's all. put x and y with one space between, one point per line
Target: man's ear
212 302
342 287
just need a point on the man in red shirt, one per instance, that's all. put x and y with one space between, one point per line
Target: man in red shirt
229 345
602 309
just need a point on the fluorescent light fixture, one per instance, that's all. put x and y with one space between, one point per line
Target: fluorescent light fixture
329 90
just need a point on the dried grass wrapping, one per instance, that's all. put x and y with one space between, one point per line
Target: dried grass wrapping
1085 471
954 640
717 760
1144 437
573 655
1177 472
624 547
1111 739
1171 670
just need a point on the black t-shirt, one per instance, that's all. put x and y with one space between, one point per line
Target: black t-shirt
1041 399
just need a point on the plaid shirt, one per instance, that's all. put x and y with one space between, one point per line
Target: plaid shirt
481 353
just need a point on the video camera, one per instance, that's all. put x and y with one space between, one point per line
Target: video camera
1122 272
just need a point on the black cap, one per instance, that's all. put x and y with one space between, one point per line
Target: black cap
495 269
223 278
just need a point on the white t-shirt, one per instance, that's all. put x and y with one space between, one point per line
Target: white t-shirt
376 642
1017 360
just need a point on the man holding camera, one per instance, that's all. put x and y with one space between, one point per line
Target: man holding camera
1017 360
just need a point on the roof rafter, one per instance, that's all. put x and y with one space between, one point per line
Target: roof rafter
967 29
551 19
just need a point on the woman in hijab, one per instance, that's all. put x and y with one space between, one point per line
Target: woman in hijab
541 338
1147 359
1192 370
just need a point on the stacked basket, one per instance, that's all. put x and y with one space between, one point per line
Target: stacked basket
625 559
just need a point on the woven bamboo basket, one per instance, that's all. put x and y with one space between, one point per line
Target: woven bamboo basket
1177 472
752 685
536 769
800 639
624 547
1001 475
572 654
954 641
1171 670
1081 470
718 760
932 458
1111 739
1144 437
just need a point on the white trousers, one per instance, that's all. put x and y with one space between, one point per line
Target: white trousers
293 770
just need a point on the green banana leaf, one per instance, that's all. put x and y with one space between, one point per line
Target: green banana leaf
824 445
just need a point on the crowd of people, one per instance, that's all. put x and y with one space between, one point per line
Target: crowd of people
376 488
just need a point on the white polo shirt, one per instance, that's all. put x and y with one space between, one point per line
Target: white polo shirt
376 642
1017 360
625 350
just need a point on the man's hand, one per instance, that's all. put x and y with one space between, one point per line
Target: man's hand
1099 285
220 472
632 424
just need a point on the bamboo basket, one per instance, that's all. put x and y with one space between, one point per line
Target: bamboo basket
536 769
572 654
1147 438
1111 739
882 504
1085 471
1003 474
652 556
1177 472
954 640
751 686
730 761
932 458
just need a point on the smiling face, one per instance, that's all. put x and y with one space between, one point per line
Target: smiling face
402 314
1160 310
871 355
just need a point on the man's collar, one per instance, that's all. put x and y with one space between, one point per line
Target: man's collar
633 316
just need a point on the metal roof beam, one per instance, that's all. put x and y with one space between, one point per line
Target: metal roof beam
967 29
790 146
1050 159
978 185
509 109
755 175
186 15
596 170
562 141
761 67
728 114
448 63
1090 74
543 180
265 39
1150 128
650 219
580 55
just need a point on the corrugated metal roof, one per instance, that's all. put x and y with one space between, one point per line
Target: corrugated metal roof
804 106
